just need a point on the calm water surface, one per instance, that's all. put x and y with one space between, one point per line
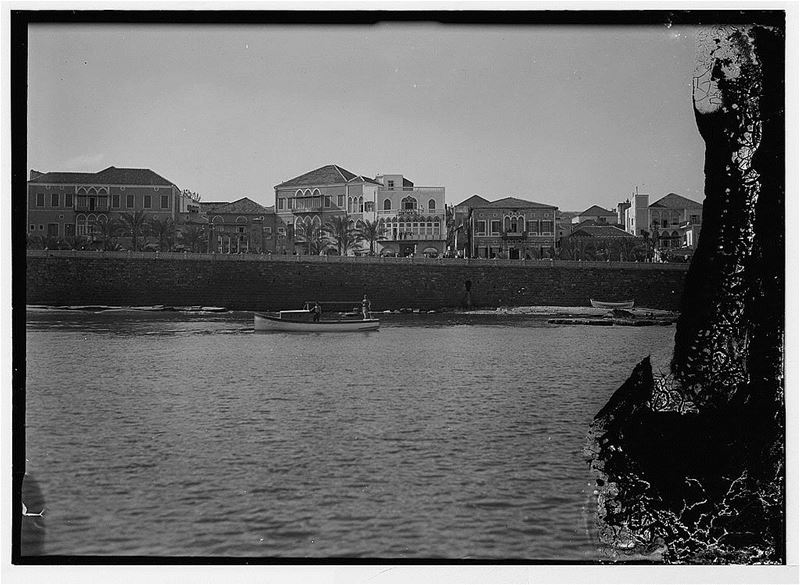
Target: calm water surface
450 436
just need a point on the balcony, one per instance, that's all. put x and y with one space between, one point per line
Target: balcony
515 236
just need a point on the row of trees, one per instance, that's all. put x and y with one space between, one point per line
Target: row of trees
104 233
336 235
340 235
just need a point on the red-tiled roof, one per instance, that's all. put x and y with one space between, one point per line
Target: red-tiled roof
675 201
513 202
600 231
109 176
243 206
327 175
474 201
597 210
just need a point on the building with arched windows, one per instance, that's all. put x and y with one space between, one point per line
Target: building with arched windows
413 218
240 227
673 221
508 228
64 205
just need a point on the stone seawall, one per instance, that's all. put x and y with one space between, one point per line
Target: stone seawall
259 283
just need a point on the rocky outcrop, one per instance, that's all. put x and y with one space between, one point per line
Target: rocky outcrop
690 466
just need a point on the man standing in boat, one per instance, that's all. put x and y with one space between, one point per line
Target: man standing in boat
365 307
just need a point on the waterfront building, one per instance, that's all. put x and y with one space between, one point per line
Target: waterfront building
305 203
241 226
512 228
597 214
64 205
673 221
413 217
594 241
462 222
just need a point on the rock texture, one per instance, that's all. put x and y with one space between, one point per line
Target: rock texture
690 466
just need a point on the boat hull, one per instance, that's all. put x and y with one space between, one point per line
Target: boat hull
263 322
617 305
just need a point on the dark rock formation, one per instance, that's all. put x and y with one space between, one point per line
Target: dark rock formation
690 466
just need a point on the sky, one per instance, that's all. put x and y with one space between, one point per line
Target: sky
571 116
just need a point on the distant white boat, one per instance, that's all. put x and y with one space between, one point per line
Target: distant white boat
303 321
611 305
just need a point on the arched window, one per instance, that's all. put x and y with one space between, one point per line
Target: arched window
361 204
218 220
431 205
80 225
387 205
241 219
90 223
409 204
298 224
317 221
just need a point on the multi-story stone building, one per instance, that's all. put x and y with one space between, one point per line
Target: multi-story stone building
597 214
66 204
413 217
242 226
512 228
674 221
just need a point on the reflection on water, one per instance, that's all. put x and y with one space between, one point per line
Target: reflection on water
451 436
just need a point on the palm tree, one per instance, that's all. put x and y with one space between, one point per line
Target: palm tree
104 230
165 230
134 225
193 236
341 235
372 231
313 237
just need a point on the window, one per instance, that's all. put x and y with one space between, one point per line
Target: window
480 228
361 204
241 229
40 200
431 205
281 231
41 227
147 201
165 202
409 204
54 201
533 226
369 206
340 201
694 219
268 231
387 205
115 201
289 202
327 200
390 185
495 227
33 227
67 199
52 230
281 203
547 227
129 201
664 223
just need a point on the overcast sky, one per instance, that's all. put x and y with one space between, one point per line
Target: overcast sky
565 115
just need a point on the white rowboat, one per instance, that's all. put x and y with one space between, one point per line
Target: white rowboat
283 322
611 305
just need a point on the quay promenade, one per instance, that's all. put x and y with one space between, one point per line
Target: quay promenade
381 260
261 282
